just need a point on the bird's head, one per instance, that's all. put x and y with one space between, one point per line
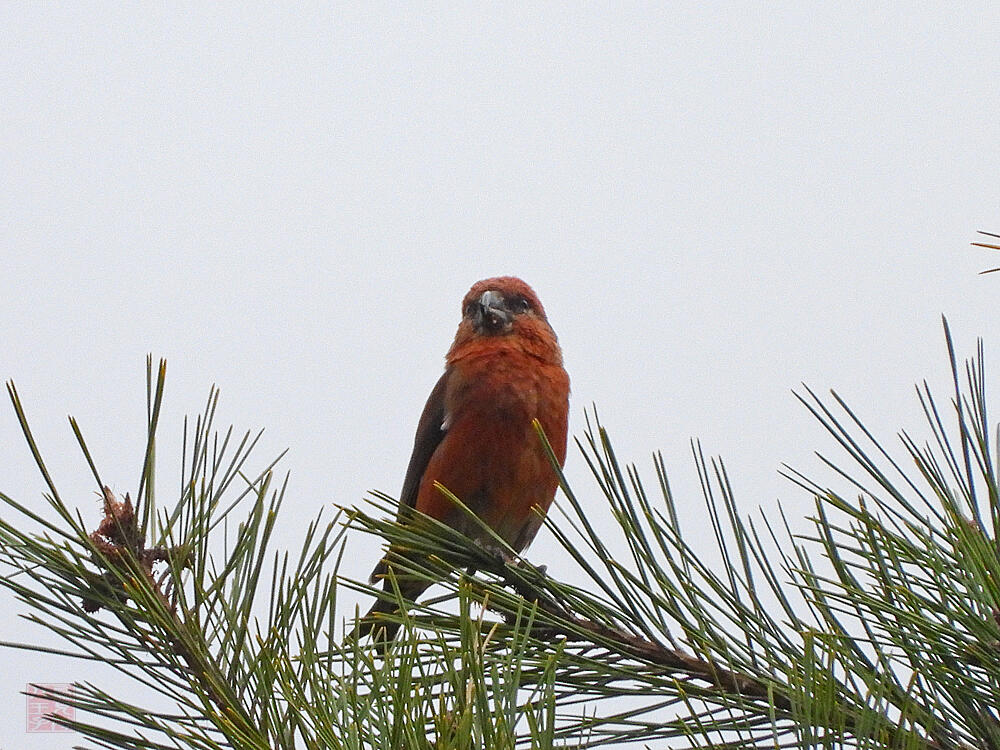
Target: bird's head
496 306
505 309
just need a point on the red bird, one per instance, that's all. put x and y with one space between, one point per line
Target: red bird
475 436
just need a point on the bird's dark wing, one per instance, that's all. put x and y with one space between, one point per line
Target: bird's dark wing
430 431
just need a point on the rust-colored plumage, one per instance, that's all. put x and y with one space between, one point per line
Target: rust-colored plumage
475 436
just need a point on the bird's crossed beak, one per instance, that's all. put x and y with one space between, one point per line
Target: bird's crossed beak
492 315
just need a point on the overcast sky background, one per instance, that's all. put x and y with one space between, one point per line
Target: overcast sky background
715 202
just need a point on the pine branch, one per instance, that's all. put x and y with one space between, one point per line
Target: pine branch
878 629
859 667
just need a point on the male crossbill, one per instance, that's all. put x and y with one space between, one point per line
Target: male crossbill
475 436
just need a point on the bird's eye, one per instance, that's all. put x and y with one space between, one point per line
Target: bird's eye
520 304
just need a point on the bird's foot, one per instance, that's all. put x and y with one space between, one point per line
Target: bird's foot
493 549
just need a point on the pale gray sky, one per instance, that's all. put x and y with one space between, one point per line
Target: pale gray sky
714 202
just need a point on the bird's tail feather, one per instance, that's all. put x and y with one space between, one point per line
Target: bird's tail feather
380 628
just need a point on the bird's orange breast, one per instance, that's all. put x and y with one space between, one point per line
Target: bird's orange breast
491 457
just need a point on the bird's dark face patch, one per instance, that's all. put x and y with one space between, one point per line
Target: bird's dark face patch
494 312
